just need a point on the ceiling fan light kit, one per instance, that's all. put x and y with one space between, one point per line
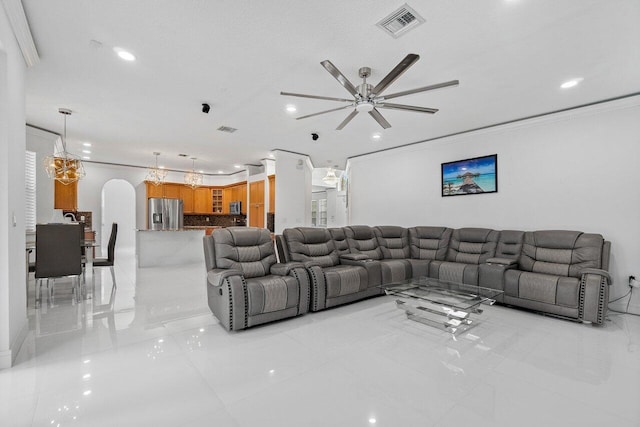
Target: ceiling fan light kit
367 98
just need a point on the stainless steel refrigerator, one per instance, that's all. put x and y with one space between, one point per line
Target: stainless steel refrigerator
165 214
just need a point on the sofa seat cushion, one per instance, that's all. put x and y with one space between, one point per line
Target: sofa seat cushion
546 288
395 270
272 293
456 272
345 280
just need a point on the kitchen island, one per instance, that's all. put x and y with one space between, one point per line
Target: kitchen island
171 247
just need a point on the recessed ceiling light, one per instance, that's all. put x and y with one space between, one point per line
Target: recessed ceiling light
271 155
571 83
376 136
124 54
87 144
200 171
291 108
220 171
86 157
86 151
160 167
237 166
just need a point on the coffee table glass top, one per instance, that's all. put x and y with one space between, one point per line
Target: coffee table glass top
450 294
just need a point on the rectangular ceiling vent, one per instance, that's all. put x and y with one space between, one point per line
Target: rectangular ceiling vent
400 21
227 129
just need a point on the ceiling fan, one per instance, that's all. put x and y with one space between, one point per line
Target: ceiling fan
367 98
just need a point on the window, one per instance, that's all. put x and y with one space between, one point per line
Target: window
30 191
319 213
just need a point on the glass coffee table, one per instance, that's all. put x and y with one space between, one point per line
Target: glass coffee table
445 305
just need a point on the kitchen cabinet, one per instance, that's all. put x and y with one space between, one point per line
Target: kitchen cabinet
234 193
272 193
203 201
216 194
256 204
154 190
187 196
172 191
65 196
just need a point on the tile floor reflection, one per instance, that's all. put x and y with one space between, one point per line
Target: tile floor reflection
151 354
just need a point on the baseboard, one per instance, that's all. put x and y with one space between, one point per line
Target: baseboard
7 357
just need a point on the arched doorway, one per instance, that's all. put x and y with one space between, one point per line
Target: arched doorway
119 206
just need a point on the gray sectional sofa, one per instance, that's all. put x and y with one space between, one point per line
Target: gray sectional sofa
558 272
563 273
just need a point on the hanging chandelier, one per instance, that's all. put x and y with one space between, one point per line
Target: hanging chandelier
156 175
193 179
62 166
331 178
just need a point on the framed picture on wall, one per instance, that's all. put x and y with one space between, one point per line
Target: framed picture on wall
478 175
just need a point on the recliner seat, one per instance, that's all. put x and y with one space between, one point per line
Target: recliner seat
245 285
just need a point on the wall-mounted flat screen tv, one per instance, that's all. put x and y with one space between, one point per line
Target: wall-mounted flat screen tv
478 175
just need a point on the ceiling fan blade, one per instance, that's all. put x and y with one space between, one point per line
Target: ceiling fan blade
340 77
381 120
328 98
423 89
322 112
407 108
403 66
347 120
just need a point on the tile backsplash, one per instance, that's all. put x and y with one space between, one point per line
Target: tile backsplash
213 220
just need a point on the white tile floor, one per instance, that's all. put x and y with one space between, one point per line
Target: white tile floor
159 358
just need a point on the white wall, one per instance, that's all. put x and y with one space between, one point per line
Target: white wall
575 170
293 190
119 206
13 317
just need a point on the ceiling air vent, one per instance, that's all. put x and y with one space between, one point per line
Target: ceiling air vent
227 129
400 21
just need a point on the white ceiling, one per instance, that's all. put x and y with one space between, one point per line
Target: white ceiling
510 57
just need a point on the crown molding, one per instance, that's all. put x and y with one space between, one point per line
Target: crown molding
21 31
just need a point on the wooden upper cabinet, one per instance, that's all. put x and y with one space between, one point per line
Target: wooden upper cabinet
203 202
227 197
242 196
187 196
154 190
65 196
272 193
172 191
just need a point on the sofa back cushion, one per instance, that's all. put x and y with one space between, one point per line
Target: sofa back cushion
510 244
247 249
339 240
311 244
560 252
393 242
429 242
362 240
472 245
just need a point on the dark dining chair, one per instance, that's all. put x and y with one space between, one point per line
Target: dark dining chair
58 254
111 249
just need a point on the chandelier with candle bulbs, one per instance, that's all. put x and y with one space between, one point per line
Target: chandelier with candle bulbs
63 166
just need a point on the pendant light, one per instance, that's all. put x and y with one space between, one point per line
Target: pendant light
62 166
156 174
331 178
193 179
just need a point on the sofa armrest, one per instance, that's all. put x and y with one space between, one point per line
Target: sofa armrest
216 276
502 261
594 295
283 269
597 272
354 257
309 264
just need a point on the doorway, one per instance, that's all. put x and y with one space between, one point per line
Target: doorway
119 206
